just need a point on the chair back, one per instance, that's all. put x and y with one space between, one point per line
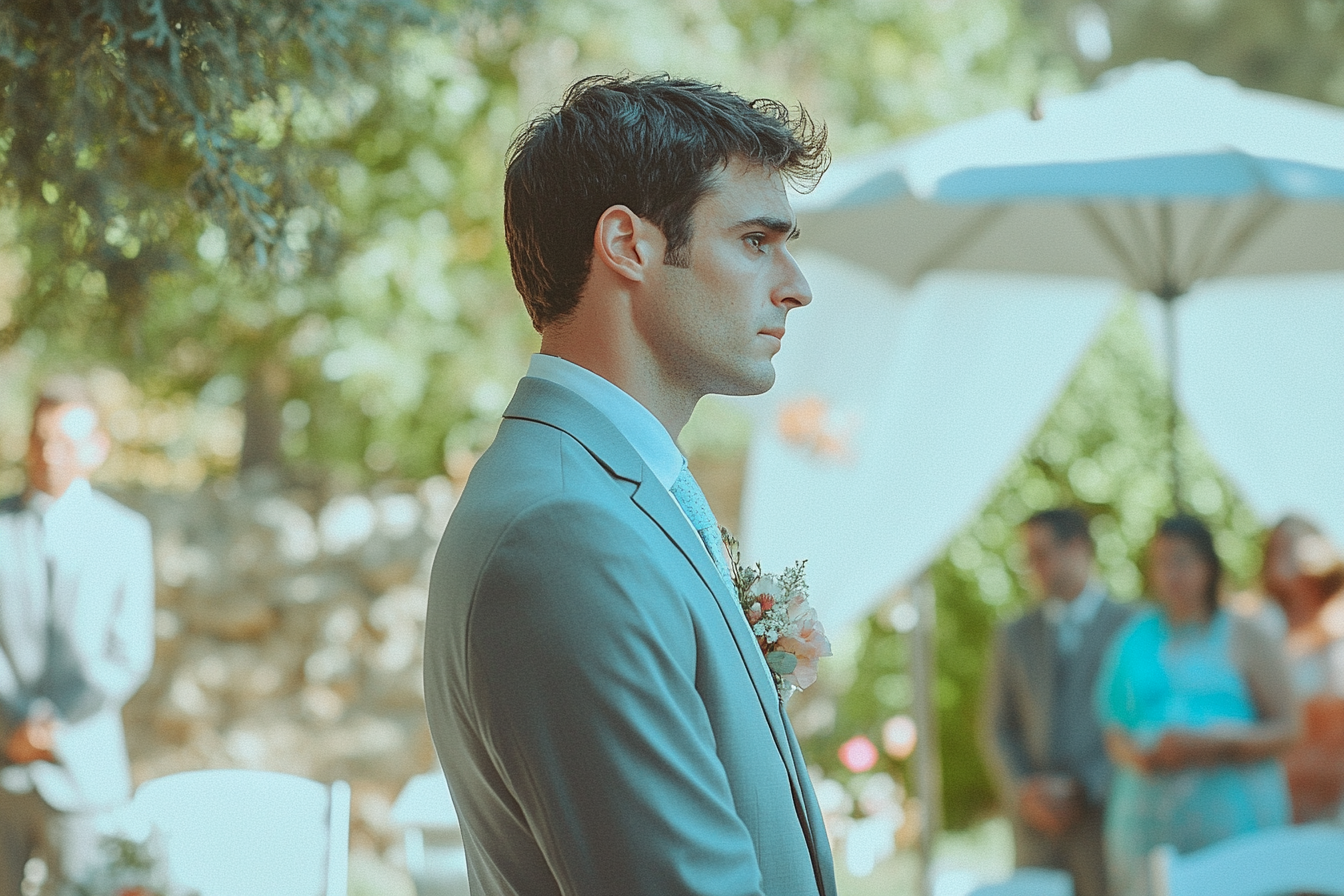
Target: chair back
1030 882
236 832
1272 862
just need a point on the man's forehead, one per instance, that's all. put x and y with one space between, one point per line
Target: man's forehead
74 420
748 191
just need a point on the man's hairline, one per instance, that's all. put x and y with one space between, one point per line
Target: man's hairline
714 179
1054 536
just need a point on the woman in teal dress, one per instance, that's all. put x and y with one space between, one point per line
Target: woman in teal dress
1197 705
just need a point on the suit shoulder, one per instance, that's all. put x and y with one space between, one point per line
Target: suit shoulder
531 465
535 498
1015 628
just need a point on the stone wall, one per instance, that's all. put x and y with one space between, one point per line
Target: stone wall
289 631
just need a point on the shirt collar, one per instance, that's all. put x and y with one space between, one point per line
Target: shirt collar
1079 611
645 433
42 503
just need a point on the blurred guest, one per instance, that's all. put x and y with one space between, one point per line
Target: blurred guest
1198 706
1304 574
76 640
1041 737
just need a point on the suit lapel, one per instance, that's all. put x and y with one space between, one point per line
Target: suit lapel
823 864
655 501
1099 630
1042 656
545 402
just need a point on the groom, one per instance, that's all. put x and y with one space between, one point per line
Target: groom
604 717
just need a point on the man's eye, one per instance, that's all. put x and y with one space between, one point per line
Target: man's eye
755 241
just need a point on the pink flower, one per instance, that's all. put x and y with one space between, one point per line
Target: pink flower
899 736
809 643
858 754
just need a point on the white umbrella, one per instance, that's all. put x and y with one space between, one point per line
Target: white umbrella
1161 177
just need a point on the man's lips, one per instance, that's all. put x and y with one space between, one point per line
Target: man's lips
777 332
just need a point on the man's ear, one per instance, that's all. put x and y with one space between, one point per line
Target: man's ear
625 243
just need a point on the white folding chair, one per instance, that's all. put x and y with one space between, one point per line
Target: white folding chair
1273 862
435 856
1030 882
235 832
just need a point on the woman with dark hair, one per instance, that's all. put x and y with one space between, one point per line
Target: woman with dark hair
1197 706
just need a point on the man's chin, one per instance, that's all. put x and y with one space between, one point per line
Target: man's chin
756 382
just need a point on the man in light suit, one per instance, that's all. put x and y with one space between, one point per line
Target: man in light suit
1042 736
76 641
602 712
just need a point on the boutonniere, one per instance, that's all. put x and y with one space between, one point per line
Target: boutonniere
785 625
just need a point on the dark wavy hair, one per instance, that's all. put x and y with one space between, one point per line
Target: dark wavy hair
1065 525
651 143
1193 531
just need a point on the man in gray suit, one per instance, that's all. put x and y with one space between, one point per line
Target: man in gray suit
76 640
1042 736
602 712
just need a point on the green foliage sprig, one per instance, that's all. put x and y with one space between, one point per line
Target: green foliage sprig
119 121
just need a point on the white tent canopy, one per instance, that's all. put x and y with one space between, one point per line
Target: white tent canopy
1261 379
893 415
896 412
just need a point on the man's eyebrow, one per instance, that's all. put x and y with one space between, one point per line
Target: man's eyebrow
772 224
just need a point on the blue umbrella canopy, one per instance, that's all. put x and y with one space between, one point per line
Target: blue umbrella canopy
1159 177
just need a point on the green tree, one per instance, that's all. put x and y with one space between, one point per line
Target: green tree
1285 46
120 121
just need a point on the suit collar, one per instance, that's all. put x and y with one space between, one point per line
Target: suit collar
543 401
632 419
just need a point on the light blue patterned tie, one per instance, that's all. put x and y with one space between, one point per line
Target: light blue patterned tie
692 501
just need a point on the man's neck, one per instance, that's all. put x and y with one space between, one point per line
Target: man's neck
1070 593
671 408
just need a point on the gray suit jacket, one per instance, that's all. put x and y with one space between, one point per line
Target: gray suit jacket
603 728
1029 728
76 637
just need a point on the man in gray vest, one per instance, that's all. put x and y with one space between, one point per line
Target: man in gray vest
1041 733
76 641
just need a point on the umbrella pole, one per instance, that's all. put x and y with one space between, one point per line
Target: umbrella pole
1173 407
928 773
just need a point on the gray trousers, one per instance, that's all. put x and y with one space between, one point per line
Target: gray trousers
1079 851
29 828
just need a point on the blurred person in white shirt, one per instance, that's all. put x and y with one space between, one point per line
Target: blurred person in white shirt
76 641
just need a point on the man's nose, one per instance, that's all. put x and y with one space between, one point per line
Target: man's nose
794 290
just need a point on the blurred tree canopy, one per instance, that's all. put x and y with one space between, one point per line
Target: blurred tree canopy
1285 46
121 124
